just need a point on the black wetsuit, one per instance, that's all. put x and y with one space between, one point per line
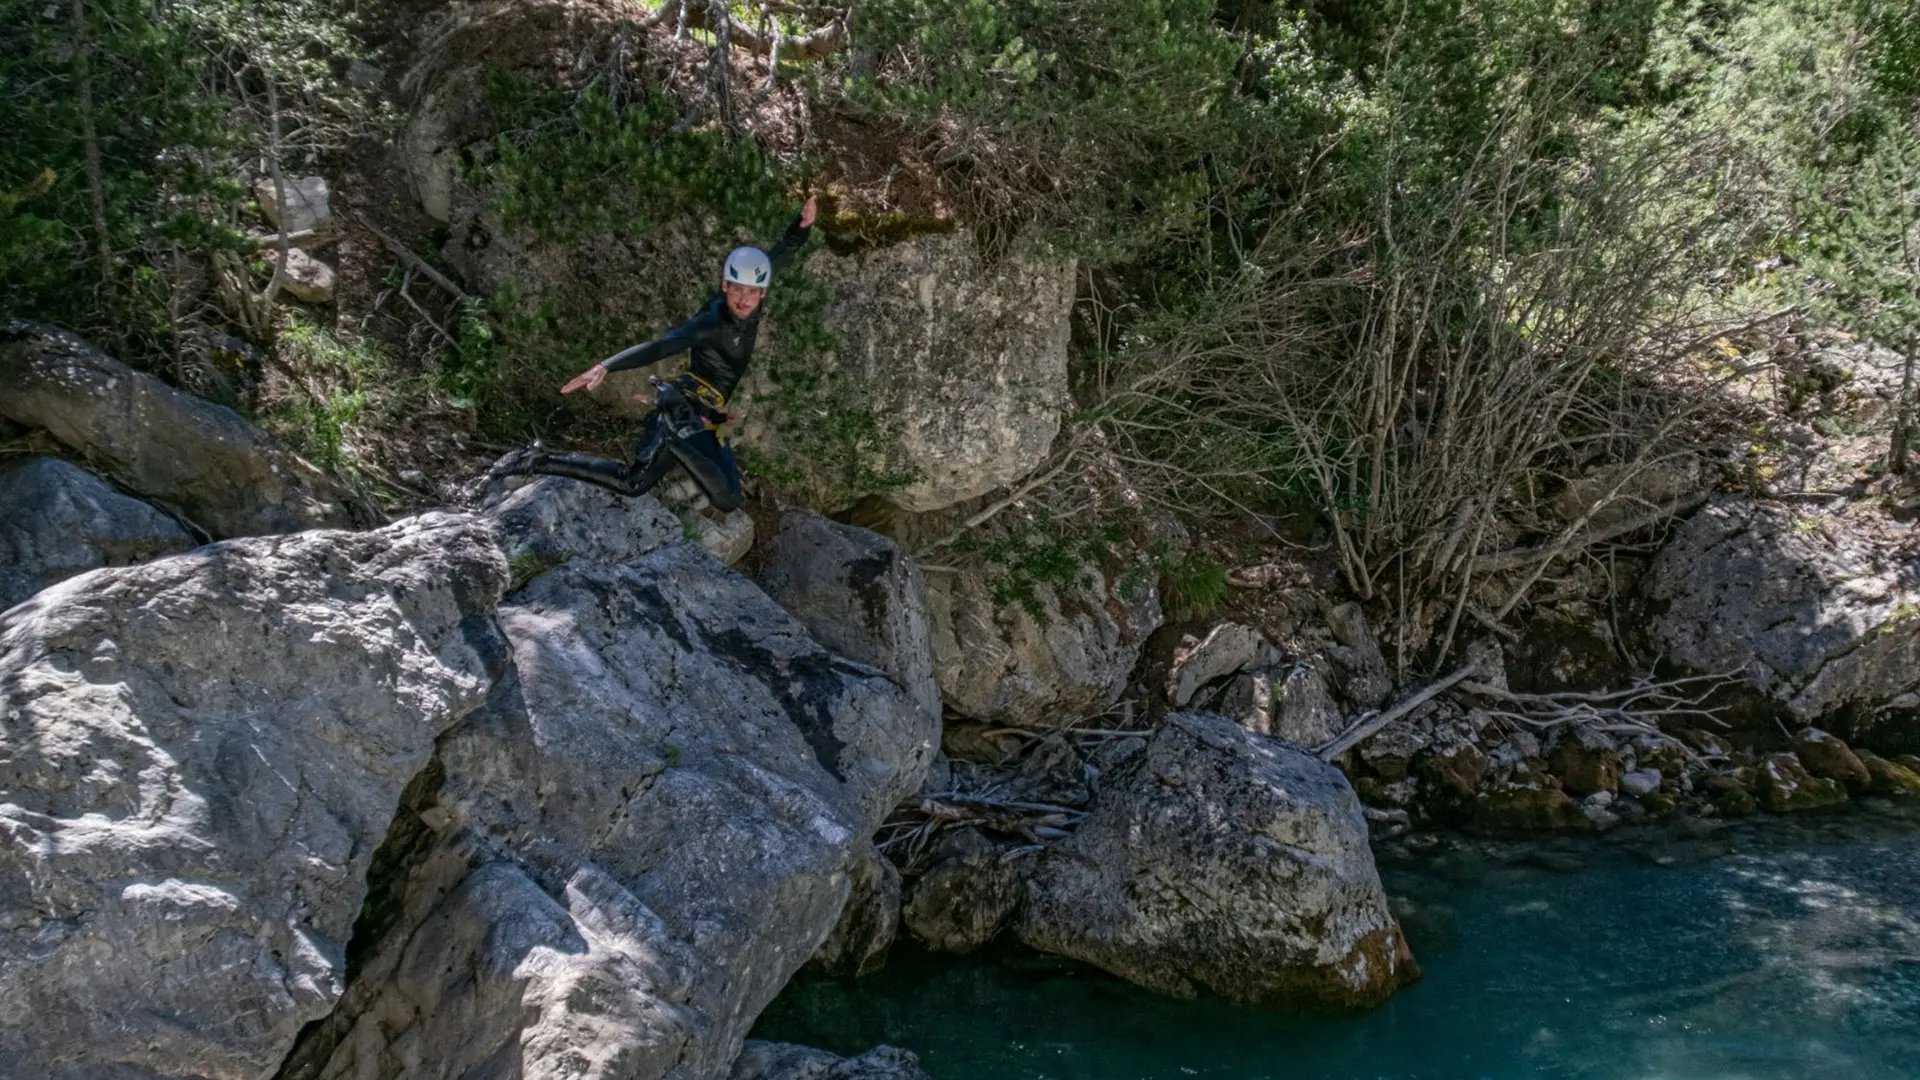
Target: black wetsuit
722 347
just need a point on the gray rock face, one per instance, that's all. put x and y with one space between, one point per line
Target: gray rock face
996 663
1227 648
971 361
304 277
1304 711
198 756
58 520
188 455
648 828
551 520
1226 863
1816 611
858 593
965 898
785 1061
868 923
1363 670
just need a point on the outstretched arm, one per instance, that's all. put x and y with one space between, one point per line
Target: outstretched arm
677 340
795 237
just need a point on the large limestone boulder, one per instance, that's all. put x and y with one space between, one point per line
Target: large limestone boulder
996 662
1226 863
858 593
545 523
58 520
646 831
198 757
176 450
1817 611
966 361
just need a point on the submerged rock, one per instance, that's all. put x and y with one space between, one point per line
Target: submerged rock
785 1061
1585 760
1530 803
201 755
1828 757
185 454
1226 863
58 520
1783 783
1889 778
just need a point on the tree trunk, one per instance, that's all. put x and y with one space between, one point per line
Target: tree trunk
90 140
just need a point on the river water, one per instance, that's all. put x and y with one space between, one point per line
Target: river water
1762 950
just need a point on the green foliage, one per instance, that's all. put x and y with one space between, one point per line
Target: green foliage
1192 586
154 139
1099 126
337 384
124 127
576 165
524 566
1042 551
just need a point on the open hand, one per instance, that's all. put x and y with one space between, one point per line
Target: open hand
589 379
810 211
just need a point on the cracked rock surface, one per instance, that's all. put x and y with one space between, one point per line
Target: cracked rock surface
1819 611
645 831
198 757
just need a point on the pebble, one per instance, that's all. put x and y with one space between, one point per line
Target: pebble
1601 817
1640 782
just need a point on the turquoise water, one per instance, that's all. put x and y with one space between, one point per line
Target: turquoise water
1760 951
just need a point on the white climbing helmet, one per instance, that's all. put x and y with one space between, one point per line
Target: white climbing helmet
749 266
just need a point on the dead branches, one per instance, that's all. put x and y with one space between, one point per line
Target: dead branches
1638 709
908 836
1365 729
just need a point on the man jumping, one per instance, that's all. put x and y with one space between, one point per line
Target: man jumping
685 425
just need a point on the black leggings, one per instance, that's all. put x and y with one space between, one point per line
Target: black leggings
706 459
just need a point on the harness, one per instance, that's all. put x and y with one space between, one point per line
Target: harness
691 404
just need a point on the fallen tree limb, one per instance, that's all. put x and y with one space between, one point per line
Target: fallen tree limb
1363 730
406 255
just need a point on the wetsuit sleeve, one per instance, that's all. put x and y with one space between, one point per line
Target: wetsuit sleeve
790 243
677 340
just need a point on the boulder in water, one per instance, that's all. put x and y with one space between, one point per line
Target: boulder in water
785 1061
1227 863
966 897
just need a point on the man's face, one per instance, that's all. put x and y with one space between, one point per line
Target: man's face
741 299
